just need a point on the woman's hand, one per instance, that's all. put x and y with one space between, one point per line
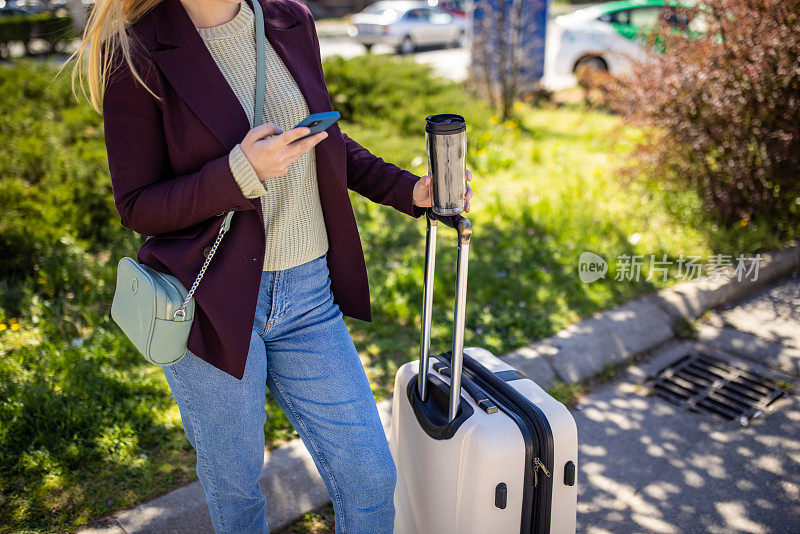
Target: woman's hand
423 192
271 157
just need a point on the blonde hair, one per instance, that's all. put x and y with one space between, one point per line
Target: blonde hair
105 34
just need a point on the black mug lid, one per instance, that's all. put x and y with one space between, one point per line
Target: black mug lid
445 123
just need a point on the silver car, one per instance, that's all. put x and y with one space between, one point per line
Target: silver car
406 25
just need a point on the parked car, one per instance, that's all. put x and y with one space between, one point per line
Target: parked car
406 25
13 12
607 37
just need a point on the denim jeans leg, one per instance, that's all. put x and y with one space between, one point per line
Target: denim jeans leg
316 376
224 420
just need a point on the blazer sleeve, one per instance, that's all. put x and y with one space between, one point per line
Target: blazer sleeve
149 197
367 174
378 180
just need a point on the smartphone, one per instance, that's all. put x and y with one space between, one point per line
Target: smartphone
319 121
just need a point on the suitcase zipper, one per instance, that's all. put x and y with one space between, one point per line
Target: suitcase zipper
538 444
537 464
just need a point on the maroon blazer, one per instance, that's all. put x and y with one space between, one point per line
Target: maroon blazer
168 162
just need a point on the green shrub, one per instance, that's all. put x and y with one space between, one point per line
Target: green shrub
395 93
55 29
54 176
724 107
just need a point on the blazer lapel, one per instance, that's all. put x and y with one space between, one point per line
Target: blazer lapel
194 74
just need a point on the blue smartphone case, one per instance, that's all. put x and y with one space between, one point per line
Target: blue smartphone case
319 121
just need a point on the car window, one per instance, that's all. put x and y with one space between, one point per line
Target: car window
439 17
383 11
416 15
622 16
644 17
376 8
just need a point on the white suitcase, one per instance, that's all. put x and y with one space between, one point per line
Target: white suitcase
503 460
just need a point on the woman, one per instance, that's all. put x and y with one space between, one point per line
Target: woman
175 80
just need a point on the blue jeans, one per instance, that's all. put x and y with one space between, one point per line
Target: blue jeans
301 350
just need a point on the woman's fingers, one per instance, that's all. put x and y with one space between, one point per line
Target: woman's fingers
301 147
263 130
469 193
292 135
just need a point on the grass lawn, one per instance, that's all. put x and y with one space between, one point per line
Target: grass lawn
87 427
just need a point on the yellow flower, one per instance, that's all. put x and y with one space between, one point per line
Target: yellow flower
86 287
510 124
41 280
2 326
486 135
481 153
518 105
15 326
495 119
12 320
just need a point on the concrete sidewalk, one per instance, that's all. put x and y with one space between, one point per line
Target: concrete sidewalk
649 466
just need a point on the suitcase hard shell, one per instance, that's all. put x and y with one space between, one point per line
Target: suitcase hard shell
503 460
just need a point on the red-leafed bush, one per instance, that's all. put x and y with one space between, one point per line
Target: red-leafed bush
722 96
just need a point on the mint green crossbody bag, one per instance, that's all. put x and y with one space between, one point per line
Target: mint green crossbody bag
153 309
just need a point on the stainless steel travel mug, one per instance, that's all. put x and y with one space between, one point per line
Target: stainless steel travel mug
446 147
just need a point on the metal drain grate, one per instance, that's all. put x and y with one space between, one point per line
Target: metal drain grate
707 384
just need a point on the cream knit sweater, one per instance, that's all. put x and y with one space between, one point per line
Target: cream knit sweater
293 221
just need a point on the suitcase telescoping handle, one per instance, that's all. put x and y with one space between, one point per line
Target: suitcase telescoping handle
464 228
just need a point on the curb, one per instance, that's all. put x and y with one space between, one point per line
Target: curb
586 347
291 481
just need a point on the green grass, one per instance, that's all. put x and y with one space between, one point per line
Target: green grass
567 394
87 427
319 521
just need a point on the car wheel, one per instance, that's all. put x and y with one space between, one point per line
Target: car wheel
460 39
593 63
406 46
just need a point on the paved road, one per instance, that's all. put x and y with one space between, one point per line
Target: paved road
448 62
649 466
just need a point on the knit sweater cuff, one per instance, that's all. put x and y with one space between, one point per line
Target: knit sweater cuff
244 173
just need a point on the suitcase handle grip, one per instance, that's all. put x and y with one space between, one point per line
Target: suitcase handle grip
478 395
464 228
457 222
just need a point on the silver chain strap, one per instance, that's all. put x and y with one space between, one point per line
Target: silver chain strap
182 310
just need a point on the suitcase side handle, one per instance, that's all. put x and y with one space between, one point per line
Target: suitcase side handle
464 228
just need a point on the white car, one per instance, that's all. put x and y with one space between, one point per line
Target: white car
406 25
606 37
